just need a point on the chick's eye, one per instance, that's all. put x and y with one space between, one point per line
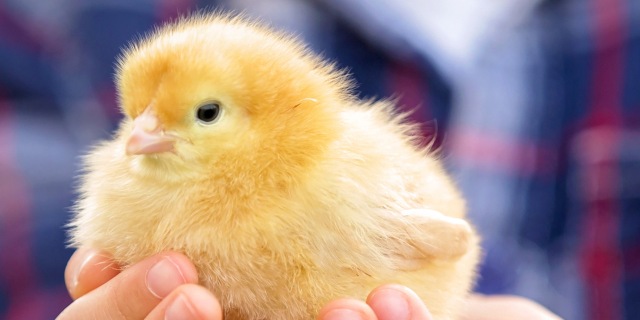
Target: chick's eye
208 113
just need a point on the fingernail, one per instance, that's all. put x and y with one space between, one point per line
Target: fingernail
163 277
391 305
179 309
343 314
88 256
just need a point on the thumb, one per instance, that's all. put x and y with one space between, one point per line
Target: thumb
394 302
136 291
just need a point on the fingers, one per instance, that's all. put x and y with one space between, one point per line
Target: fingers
388 302
346 309
189 301
136 291
481 307
88 269
394 302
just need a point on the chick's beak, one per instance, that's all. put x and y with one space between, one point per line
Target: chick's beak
148 136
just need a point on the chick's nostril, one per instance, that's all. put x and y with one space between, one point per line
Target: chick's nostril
147 121
148 124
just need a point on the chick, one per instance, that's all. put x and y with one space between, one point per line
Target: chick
251 155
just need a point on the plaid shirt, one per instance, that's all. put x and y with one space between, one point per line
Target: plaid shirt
546 146
539 123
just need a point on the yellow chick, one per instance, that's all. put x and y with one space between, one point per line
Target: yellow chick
250 154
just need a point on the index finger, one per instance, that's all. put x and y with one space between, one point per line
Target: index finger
395 302
88 269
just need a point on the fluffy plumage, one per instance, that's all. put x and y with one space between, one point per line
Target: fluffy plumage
297 194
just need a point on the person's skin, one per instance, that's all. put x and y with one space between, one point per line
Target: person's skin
164 286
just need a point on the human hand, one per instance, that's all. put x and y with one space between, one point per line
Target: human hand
387 302
392 302
150 289
159 287
504 307
102 290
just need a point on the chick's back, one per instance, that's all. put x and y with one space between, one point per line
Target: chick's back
297 195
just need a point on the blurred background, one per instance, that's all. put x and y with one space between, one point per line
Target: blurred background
535 106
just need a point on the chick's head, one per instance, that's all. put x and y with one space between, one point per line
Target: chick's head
218 93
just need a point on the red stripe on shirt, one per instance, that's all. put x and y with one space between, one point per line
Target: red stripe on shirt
407 83
483 150
15 226
172 9
598 152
